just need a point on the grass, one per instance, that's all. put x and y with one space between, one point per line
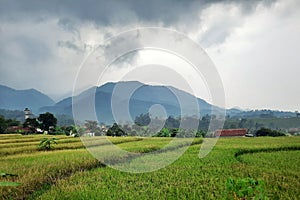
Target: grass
69 171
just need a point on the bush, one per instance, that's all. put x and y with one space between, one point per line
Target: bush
46 143
245 188
165 132
201 133
115 130
268 132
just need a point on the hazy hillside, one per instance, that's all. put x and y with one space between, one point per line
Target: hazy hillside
140 101
12 99
13 114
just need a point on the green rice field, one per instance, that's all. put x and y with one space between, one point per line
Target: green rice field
237 168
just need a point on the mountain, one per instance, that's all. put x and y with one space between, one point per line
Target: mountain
126 103
175 102
12 99
13 114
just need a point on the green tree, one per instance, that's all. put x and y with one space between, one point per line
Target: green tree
47 120
115 130
171 122
268 132
242 123
70 130
3 125
201 133
165 132
12 122
32 124
142 120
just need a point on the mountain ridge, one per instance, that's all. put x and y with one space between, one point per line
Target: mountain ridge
13 99
140 102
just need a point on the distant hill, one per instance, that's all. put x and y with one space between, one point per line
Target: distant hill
140 101
12 99
13 114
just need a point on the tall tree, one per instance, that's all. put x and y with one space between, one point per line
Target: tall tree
32 124
3 124
47 120
115 130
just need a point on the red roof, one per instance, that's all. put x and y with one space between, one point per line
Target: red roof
14 129
231 132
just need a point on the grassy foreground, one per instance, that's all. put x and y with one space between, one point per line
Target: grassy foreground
70 172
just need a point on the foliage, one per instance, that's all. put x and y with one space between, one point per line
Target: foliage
142 119
79 130
201 133
12 122
3 125
46 143
165 132
91 125
268 132
32 124
172 122
44 121
70 130
12 114
58 131
47 120
115 130
245 188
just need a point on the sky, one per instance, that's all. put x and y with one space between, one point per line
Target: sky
254 45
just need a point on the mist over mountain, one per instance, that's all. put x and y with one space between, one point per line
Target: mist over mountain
12 99
130 98
143 97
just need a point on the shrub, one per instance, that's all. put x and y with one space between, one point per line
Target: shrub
115 130
268 132
245 188
46 143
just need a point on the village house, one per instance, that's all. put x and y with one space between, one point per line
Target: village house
231 132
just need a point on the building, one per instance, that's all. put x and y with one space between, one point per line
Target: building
28 113
18 129
231 132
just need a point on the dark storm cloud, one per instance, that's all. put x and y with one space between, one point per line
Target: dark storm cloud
243 37
108 12
179 14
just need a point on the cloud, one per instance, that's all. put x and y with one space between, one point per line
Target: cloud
259 61
44 42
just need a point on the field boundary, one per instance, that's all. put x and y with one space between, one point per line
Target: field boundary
241 152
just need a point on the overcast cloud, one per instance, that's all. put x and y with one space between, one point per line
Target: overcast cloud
255 45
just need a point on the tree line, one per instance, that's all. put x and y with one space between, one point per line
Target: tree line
47 122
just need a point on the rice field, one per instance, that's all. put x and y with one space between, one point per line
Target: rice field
69 171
